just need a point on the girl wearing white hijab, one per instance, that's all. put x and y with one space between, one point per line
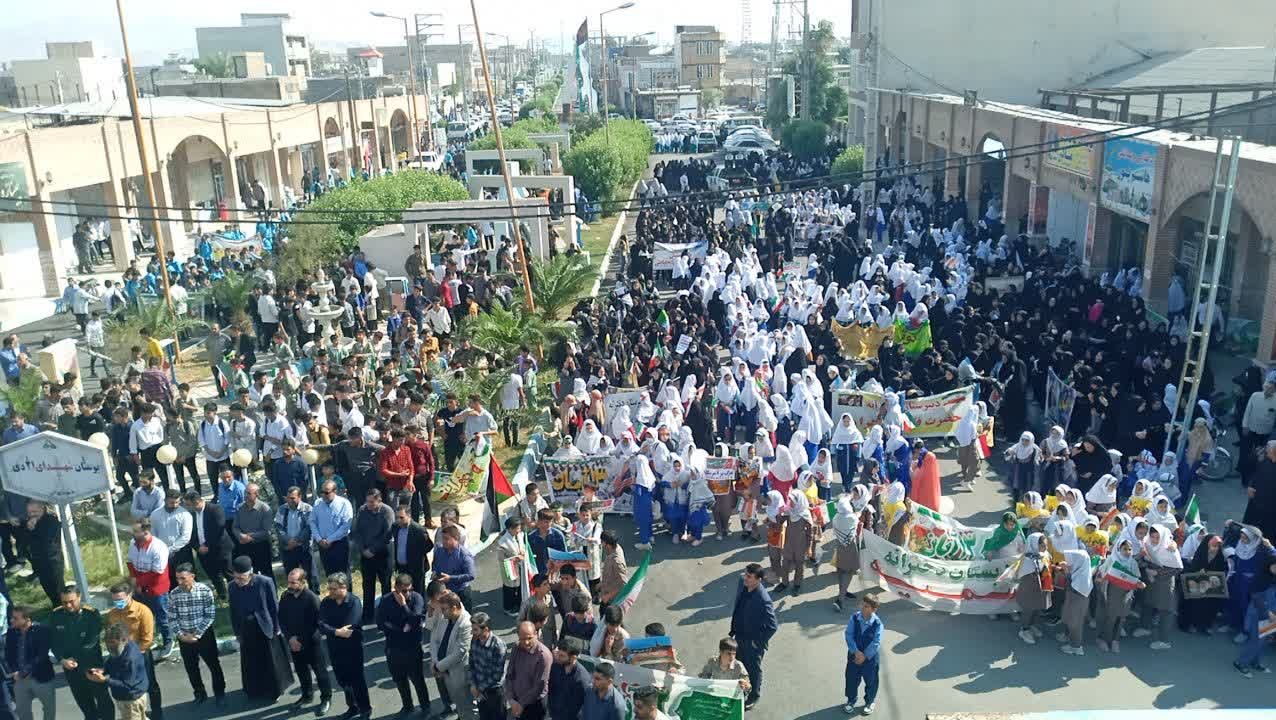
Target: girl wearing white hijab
783 417
776 518
969 456
677 499
1168 476
846 545
644 484
700 499
845 444
1161 512
782 475
1076 603
1162 564
1077 502
822 470
1023 456
589 440
1102 495
872 447
620 423
1117 598
1055 455
1034 586
798 534
726 393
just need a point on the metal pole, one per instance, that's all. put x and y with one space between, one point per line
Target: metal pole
115 533
146 175
500 150
416 122
804 67
71 539
603 67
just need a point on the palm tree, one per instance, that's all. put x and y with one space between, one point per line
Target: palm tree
231 293
124 330
559 283
502 332
218 65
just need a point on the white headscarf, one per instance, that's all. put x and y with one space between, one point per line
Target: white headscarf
1104 492
620 422
1156 516
872 443
643 476
775 505
894 439
589 439
1031 562
967 427
1160 552
859 496
782 467
846 432
1250 540
823 467
846 522
1080 577
1077 503
1065 537
727 390
1026 448
799 506
895 493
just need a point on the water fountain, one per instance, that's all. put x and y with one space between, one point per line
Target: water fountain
324 314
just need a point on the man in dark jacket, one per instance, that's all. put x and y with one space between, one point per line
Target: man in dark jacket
410 546
124 673
77 633
401 615
356 462
299 622
370 537
752 625
44 547
569 681
209 538
26 655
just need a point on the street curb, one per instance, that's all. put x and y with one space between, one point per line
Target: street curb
611 245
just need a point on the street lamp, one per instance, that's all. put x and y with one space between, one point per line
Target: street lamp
625 6
416 126
508 48
459 50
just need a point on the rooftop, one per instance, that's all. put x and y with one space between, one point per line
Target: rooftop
1204 67
153 107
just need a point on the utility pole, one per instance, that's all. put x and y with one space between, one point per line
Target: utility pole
160 253
870 21
354 125
421 60
505 168
804 64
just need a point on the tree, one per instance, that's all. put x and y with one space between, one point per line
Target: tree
218 65
711 97
826 99
558 283
806 139
606 164
849 161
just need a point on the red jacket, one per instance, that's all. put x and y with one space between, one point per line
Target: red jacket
423 460
396 468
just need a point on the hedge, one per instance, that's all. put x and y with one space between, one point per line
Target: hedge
806 139
849 161
605 168
311 246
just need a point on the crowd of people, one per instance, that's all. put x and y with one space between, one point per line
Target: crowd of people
345 436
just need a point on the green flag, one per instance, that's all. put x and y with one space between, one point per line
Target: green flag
1192 513
912 340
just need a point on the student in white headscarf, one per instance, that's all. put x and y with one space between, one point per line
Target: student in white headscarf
845 444
644 484
846 526
1076 603
699 501
782 474
1023 456
1055 455
777 518
1031 574
1118 591
1102 495
1161 564
797 541
969 456
620 423
725 396
589 440
677 498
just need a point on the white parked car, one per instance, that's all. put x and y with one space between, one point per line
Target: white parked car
430 162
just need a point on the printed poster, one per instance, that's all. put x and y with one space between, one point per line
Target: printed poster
932 416
566 481
681 696
468 477
965 587
859 342
1060 399
720 473
1075 160
663 254
1129 175
617 398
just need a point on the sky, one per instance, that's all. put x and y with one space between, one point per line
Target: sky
158 27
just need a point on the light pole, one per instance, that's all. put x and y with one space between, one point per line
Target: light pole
416 125
506 90
146 175
425 76
460 48
603 34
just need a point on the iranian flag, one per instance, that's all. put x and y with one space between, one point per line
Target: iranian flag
529 569
983 443
1123 576
1192 513
910 423
628 595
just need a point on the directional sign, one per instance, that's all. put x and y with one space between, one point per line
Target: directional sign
54 468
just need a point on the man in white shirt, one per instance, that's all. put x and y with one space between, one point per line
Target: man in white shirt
145 438
1256 426
275 431
179 296
513 398
268 310
438 320
372 293
243 431
214 440
172 524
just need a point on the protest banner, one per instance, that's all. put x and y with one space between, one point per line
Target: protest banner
932 415
860 342
663 254
1060 398
720 474
469 476
939 536
967 587
566 478
1002 284
681 696
617 398
650 652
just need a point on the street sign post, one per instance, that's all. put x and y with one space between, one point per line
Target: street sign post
59 470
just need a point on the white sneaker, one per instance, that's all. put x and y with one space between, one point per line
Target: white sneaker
848 708
869 708
1061 637
1072 650
1142 632
1239 639
642 546
1103 645
1158 645
1038 631
1028 637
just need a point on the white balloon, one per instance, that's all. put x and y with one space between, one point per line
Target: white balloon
100 440
166 454
310 456
241 458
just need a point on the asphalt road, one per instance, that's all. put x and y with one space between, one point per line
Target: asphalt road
931 662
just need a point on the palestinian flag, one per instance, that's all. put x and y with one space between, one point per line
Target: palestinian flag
628 595
498 491
529 570
983 443
1123 576
1192 513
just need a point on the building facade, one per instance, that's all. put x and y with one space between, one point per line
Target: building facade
286 50
1123 202
71 72
700 54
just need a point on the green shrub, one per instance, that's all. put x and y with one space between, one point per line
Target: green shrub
606 167
311 246
850 160
806 139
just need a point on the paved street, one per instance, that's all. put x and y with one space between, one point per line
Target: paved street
931 662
